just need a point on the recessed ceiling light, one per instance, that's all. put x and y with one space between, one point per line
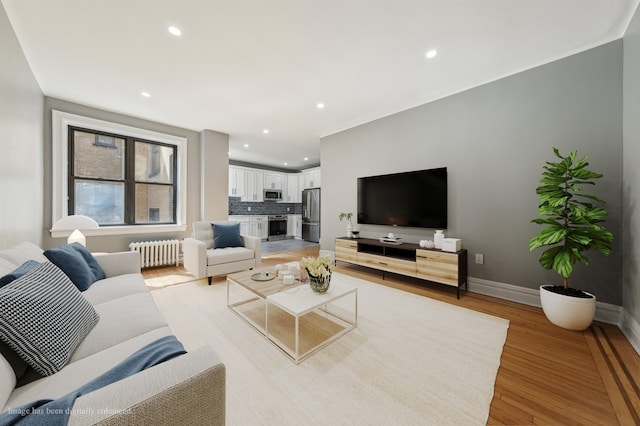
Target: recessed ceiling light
320 105
175 31
432 54
265 131
246 145
306 158
285 163
146 94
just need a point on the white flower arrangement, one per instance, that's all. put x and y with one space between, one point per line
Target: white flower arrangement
317 266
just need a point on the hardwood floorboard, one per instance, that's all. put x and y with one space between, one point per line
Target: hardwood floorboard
547 376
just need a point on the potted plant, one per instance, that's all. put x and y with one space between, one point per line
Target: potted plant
347 216
572 225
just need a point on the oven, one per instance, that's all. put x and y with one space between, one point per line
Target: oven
277 227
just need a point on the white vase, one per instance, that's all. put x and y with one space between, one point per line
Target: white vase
349 230
572 313
438 237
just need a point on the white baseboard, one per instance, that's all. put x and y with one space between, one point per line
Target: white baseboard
510 292
631 329
605 312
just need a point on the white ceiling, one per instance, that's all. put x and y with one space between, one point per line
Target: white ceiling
242 66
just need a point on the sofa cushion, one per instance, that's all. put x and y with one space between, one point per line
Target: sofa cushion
77 373
44 317
226 235
79 265
120 320
7 381
229 254
6 267
114 288
18 272
18 364
23 252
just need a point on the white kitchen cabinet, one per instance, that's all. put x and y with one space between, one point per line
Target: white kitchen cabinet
254 185
311 179
294 193
259 226
315 179
245 229
236 181
297 230
273 180
291 226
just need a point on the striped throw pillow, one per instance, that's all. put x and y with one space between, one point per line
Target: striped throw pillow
43 317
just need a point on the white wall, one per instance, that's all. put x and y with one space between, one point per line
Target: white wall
494 140
21 126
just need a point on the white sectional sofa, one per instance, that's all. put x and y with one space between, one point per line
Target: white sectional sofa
188 389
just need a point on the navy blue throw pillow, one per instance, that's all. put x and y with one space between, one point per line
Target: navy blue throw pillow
226 235
77 263
17 273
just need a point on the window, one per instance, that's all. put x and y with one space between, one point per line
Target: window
121 179
122 176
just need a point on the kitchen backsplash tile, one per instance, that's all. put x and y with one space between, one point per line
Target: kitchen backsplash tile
237 207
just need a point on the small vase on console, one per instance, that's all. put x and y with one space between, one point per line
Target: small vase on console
438 238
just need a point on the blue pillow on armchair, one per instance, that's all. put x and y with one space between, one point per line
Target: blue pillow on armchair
77 263
226 235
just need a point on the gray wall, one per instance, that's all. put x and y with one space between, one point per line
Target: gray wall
21 178
631 166
216 189
494 139
214 172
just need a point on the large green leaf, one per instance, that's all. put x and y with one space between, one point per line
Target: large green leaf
562 264
548 256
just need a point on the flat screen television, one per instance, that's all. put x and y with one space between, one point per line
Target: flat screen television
413 199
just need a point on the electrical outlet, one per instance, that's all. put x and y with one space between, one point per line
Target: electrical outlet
480 258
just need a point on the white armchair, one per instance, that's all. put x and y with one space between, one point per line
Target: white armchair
203 260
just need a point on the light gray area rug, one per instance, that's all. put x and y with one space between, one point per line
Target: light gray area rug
411 360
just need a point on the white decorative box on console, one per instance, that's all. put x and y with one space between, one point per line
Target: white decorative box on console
451 244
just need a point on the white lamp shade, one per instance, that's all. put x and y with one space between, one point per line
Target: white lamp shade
77 237
75 221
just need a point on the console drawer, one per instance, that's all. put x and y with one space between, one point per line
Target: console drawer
346 251
437 266
386 263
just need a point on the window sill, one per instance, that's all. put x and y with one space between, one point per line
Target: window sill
122 230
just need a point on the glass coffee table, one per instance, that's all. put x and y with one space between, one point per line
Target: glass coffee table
293 317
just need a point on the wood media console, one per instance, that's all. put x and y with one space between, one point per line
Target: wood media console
405 259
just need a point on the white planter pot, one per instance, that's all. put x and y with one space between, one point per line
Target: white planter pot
572 313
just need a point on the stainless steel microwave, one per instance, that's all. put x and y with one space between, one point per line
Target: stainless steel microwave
272 194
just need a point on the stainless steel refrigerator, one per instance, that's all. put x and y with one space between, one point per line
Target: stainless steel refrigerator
311 215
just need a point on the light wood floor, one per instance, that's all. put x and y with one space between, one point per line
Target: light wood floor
547 375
